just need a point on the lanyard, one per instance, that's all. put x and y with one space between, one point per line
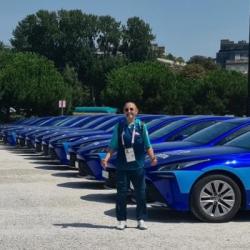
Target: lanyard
133 137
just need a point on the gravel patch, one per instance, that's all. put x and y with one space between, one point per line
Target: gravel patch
46 206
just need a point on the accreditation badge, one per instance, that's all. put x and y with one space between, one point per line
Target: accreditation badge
130 154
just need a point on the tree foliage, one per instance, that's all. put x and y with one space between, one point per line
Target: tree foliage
206 62
100 61
31 82
136 40
149 84
157 89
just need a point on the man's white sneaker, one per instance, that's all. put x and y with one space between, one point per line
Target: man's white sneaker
121 225
141 225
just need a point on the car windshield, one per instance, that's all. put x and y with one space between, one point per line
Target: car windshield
68 121
167 129
154 122
208 134
110 122
242 141
96 121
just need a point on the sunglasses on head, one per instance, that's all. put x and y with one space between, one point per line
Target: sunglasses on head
128 109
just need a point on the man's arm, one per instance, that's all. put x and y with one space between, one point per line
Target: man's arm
113 145
148 146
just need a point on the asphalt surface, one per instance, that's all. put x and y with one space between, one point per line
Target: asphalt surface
44 205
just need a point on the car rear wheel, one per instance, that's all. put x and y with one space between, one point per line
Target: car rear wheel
215 198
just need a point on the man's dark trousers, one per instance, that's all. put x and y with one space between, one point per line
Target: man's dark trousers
137 178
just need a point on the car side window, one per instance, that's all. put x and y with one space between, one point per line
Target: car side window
234 135
190 130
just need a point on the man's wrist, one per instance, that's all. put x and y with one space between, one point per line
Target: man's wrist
153 158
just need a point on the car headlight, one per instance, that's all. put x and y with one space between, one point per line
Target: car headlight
181 165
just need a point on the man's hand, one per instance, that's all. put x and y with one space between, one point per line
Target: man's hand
104 163
153 161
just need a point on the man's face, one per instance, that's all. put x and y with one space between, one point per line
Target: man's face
130 111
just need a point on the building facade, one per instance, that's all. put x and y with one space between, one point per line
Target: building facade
233 56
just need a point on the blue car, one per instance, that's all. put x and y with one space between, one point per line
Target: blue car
60 144
213 182
9 134
72 122
179 130
174 131
216 134
97 142
90 125
22 133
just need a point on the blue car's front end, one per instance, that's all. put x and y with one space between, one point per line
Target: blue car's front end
84 146
176 178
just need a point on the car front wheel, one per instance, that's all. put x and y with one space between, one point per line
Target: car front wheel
215 198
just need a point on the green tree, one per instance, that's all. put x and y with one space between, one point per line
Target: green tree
109 35
80 93
151 85
72 38
193 71
38 33
65 37
221 92
31 82
136 40
206 62
97 71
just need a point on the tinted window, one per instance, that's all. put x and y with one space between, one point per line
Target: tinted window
167 129
96 121
234 135
208 134
69 121
108 123
242 141
154 123
190 130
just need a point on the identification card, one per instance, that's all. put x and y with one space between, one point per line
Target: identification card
130 154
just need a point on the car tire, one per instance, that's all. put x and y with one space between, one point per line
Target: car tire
215 198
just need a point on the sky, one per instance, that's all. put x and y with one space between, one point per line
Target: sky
185 27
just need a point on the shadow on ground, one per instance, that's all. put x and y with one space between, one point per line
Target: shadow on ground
160 215
103 198
82 185
40 158
163 215
67 174
23 151
83 225
54 167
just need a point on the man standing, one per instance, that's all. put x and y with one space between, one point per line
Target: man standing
130 139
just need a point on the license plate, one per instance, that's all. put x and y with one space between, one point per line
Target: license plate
77 164
105 174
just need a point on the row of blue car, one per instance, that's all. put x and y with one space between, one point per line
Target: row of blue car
203 161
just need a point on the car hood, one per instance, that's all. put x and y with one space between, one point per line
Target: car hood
218 152
165 146
94 145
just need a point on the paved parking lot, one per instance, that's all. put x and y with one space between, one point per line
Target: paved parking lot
44 205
